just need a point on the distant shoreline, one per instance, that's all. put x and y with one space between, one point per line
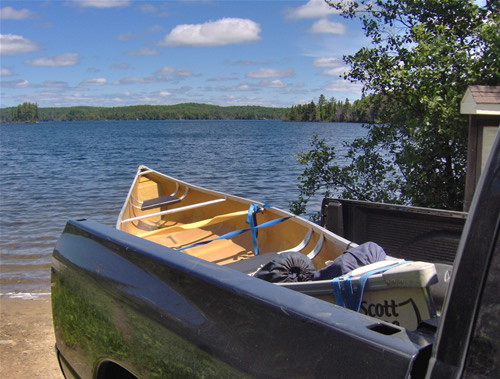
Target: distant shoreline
132 120
184 111
365 110
180 119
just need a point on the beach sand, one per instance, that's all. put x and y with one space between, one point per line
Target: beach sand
27 339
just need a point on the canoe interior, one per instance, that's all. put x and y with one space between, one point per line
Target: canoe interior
186 214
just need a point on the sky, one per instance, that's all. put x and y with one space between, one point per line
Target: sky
274 53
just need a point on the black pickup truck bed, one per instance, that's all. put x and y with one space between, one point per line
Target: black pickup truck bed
411 233
127 307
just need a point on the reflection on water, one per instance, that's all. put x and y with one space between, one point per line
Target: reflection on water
55 171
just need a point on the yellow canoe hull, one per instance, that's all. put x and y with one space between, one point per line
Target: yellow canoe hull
177 214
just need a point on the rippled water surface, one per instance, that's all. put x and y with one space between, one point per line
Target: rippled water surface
52 172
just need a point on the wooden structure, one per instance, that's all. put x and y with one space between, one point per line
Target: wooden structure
482 104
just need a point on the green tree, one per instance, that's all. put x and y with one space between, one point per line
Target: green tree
423 56
322 105
334 111
25 112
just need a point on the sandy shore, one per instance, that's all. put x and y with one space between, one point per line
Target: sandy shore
27 339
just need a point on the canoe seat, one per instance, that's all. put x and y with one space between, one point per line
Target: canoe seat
159 201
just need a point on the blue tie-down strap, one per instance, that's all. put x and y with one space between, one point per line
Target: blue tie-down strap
252 221
354 299
237 232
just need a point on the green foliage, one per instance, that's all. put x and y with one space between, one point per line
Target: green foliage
363 110
25 112
187 111
424 55
366 177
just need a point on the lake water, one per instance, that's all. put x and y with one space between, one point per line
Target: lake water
55 171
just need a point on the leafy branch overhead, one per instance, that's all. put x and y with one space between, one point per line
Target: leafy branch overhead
422 58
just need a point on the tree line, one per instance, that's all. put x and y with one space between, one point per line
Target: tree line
366 109
25 112
29 112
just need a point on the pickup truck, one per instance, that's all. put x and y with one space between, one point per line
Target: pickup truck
123 308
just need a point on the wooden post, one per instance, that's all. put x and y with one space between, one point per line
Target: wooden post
482 104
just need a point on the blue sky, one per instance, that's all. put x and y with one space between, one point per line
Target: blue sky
115 53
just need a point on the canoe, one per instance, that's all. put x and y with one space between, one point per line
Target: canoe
249 236
219 227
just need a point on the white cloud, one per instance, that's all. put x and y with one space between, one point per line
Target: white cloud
61 60
245 100
144 51
9 13
327 62
313 9
165 93
272 84
5 72
16 84
135 80
344 86
11 44
335 66
158 78
241 87
99 3
167 71
327 26
94 82
55 84
181 90
270 73
335 71
222 32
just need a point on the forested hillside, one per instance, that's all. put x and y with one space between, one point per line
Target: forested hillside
25 112
187 111
366 109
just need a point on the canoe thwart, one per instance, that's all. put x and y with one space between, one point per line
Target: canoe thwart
174 210
159 202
